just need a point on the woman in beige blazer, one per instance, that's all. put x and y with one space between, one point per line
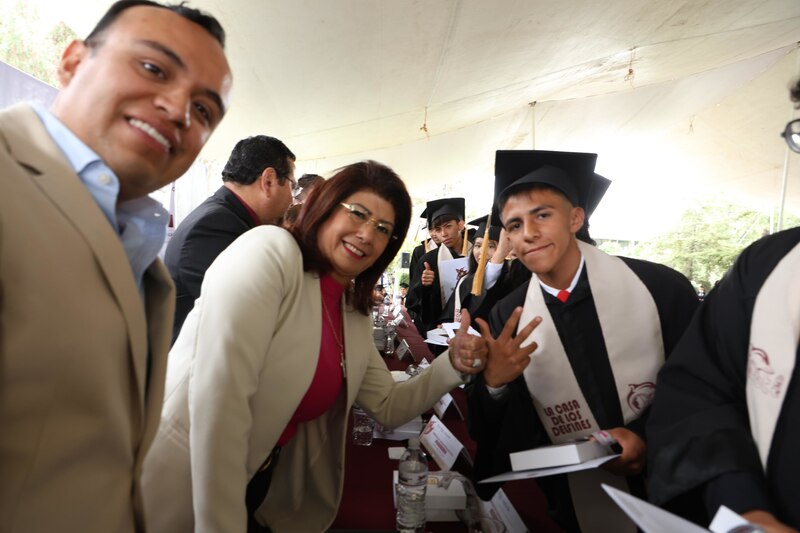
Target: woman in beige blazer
264 366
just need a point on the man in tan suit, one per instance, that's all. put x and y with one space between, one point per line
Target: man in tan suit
85 307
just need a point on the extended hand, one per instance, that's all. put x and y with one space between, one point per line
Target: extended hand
428 275
507 358
467 352
634 453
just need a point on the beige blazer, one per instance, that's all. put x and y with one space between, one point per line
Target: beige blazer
82 362
241 365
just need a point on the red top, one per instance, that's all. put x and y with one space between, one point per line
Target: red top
328 378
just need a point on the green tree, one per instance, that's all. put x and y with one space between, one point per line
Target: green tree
22 46
705 242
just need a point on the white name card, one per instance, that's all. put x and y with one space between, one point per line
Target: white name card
441 443
500 508
402 350
441 406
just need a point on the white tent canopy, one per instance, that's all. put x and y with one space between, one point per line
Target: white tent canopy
682 100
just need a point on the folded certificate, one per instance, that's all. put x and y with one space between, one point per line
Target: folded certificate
652 519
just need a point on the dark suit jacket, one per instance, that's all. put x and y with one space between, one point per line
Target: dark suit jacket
197 241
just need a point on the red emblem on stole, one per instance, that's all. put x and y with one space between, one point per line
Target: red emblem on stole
640 396
761 374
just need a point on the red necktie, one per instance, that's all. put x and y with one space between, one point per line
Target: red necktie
562 295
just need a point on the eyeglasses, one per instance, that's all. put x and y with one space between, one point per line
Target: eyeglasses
362 216
791 135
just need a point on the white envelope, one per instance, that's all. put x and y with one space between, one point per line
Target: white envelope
652 519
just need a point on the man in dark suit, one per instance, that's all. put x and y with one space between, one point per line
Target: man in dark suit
258 182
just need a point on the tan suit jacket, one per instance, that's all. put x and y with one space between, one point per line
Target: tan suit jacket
241 365
82 362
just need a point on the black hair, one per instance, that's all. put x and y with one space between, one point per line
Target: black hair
473 263
201 18
310 180
794 92
444 219
583 234
252 155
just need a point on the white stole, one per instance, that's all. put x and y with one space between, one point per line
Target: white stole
774 333
632 334
442 255
457 296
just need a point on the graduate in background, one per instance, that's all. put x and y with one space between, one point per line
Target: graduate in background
725 423
431 243
600 327
425 297
491 279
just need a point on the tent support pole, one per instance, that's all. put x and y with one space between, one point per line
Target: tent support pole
785 178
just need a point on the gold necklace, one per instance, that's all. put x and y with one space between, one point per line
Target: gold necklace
336 338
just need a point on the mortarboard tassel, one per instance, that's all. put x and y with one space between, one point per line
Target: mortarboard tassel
416 233
477 282
465 245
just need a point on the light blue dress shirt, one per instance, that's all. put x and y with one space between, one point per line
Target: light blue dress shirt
141 223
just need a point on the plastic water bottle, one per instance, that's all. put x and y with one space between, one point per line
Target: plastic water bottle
412 482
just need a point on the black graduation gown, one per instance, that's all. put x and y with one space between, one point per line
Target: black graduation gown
425 303
416 254
701 450
510 424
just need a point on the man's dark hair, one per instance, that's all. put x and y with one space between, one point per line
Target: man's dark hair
444 219
201 18
795 92
252 155
310 180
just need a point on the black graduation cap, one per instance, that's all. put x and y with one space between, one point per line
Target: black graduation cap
598 188
494 230
569 172
444 206
424 215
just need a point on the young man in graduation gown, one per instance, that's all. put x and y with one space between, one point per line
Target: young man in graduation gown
431 243
425 297
725 424
600 325
491 278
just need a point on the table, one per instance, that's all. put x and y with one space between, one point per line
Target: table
367 501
